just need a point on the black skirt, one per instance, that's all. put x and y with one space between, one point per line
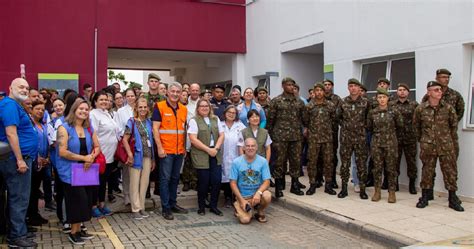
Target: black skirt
78 203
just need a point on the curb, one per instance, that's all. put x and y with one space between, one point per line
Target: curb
355 227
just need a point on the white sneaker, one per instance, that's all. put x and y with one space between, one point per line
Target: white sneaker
356 188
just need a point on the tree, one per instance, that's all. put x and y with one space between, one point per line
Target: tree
120 77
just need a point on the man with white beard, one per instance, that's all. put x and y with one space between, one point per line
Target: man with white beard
17 130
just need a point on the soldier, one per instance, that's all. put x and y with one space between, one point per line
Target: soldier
284 122
406 135
218 103
153 95
436 125
383 122
337 101
353 113
262 98
319 117
381 83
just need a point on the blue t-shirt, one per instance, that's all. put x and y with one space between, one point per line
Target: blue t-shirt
249 176
12 113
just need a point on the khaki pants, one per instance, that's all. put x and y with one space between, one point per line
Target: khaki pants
245 217
139 179
125 183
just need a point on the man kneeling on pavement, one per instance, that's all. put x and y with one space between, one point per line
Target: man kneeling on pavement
249 181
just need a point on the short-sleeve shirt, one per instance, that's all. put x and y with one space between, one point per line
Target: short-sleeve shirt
249 176
143 135
12 113
193 128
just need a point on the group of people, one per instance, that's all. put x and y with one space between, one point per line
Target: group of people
213 143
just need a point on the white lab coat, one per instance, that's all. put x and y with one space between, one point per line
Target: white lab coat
230 150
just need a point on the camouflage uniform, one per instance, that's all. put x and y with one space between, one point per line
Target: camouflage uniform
406 136
436 129
284 123
353 114
453 98
319 118
337 102
153 99
383 124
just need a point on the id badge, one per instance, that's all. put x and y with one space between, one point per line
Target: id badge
148 143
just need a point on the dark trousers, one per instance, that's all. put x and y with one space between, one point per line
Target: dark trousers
104 179
36 178
59 188
225 186
114 179
169 179
47 186
209 178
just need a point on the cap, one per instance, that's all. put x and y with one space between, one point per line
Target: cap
218 86
262 89
328 80
297 86
404 86
363 87
385 80
383 91
319 85
153 76
443 71
288 79
433 83
237 87
354 81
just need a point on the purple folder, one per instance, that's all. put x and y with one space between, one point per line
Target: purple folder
80 177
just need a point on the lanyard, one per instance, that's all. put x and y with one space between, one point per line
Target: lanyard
144 128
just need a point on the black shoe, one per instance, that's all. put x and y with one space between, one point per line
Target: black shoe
83 228
334 185
328 188
319 183
167 215
362 193
411 187
178 210
216 211
300 185
343 192
36 220
112 198
312 189
279 188
385 183
76 239
423 200
201 211
369 183
454 202
118 190
272 184
295 189
186 187
85 236
21 243
430 193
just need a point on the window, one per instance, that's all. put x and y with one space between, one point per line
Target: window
470 120
396 70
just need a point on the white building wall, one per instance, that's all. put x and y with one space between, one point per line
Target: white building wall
439 33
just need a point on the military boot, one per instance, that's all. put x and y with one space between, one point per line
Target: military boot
362 193
312 189
454 202
343 192
430 194
328 188
334 184
412 187
391 197
295 189
423 200
319 183
278 188
377 195
300 185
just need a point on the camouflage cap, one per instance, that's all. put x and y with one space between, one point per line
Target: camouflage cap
385 80
218 86
443 71
319 85
262 89
328 80
153 76
433 83
404 86
383 91
354 81
288 79
363 87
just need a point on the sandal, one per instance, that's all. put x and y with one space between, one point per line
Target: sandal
260 218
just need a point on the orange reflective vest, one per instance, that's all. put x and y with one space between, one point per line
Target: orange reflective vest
172 127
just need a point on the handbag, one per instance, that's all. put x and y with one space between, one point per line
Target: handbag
5 151
100 159
121 153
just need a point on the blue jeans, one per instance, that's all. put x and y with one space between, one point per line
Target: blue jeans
170 166
18 197
209 177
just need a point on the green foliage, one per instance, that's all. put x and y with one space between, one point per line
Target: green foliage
121 78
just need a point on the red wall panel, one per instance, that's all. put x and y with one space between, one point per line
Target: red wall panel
57 36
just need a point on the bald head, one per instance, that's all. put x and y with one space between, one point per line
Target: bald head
194 91
19 89
250 147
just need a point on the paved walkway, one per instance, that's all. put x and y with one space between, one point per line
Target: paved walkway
433 223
